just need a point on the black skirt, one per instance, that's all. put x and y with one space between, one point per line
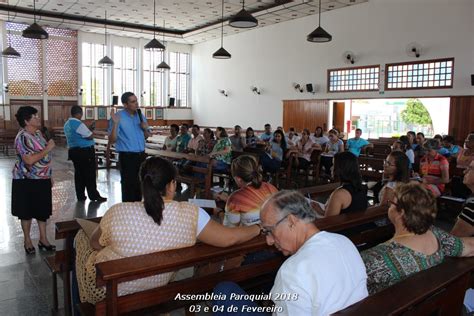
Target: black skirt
32 198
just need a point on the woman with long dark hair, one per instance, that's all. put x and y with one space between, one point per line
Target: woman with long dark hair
396 172
31 184
155 224
352 194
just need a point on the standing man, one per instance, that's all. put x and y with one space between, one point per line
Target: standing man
128 129
82 154
356 144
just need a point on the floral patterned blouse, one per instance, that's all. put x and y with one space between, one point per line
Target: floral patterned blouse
26 144
391 262
223 144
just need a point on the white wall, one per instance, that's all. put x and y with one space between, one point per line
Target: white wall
274 57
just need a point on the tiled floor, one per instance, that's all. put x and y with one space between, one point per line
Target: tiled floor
25 281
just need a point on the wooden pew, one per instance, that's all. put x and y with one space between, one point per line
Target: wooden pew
105 150
371 168
67 230
192 181
110 274
436 291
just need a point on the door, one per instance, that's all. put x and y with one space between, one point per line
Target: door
338 109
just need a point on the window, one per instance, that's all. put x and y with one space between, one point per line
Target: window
152 79
125 69
354 79
94 77
179 78
428 74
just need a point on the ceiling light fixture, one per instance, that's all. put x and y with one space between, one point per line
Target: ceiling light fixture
10 52
106 61
154 44
243 19
35 30
221 53
163 65
319 35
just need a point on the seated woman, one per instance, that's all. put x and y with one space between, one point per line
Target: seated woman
352 194
243 205
222 151
466 154
272 158
171 141
334 146
292 138
395 172
156 224
207 144
303 150
250 139
434 168
417 245
319 137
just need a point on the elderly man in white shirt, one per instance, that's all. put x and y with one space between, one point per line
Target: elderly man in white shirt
324 272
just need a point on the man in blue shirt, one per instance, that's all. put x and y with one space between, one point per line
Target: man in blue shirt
82 154
268 135
128 129
356 144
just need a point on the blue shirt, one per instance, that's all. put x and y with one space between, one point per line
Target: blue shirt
76 134
266 137
444 152
130 136
355 145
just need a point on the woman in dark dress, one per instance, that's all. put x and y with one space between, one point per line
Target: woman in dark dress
31 186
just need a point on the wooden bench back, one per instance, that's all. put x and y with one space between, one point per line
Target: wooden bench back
436 291
206 171
371 168
112 273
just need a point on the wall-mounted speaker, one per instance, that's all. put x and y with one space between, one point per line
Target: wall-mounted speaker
472 80
309 87
114 100
171 103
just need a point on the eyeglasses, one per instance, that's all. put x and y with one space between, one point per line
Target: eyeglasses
387 163
269 229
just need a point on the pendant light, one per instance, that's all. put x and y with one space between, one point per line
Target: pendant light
154 44
243 19
10 52
319 35
106 61
34 30
221 53
163 65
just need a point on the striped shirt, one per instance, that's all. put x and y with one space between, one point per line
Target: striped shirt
467 213
433 168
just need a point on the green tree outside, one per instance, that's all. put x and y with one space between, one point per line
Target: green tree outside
416 114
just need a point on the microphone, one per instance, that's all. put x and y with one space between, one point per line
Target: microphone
140 115
46 133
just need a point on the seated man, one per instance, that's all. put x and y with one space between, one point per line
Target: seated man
237 140
268 135
183 139
464 226
193 144
448 143
356 144
324 272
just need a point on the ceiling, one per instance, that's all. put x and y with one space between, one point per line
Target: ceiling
185 21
